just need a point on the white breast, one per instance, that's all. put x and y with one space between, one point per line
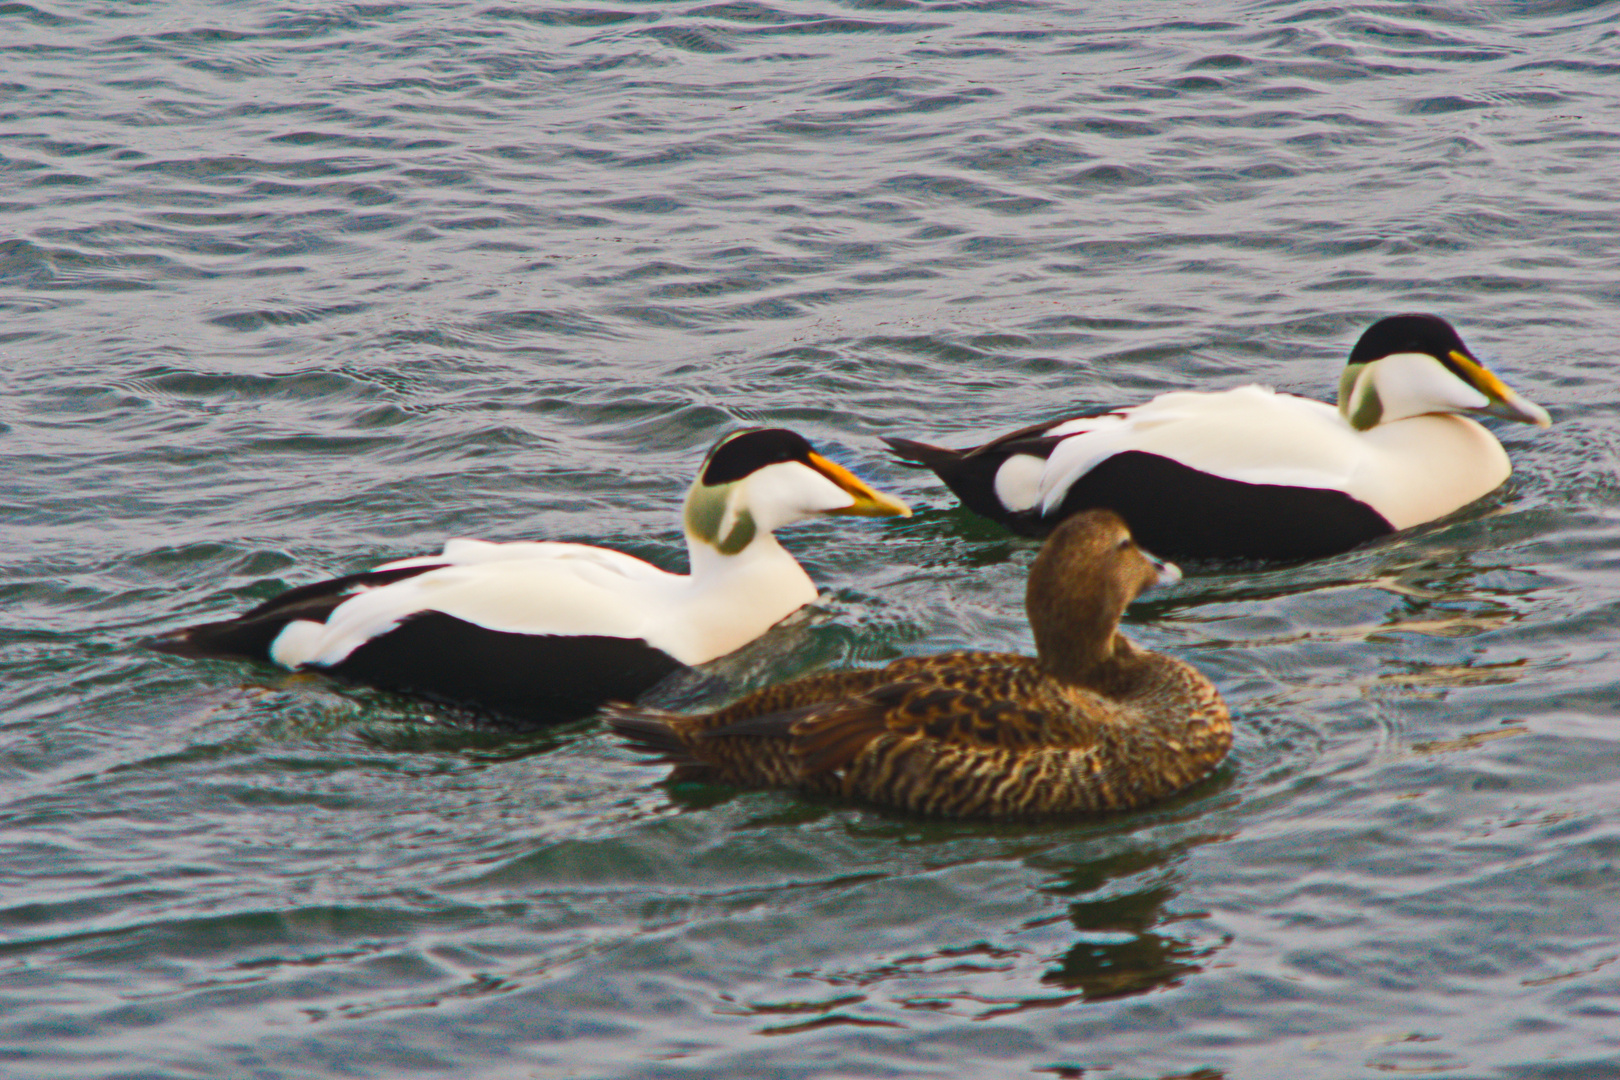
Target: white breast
1425 467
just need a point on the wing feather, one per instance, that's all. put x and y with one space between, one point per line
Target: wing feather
1250 434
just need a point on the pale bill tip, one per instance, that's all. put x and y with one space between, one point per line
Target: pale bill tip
869 502
892 505
1514 407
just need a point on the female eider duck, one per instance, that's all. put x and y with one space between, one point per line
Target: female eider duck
543 632
1091 723
1250 473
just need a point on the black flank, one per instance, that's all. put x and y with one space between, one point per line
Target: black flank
1178 511
528 679
1172 509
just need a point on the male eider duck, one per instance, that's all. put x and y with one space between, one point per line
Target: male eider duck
1251 473
542 632
1091 723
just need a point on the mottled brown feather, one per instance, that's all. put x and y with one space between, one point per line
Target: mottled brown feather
1091 724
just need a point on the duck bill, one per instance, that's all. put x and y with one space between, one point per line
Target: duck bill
869 502
1513 407
1502 401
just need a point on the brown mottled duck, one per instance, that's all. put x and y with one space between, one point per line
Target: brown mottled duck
1091 723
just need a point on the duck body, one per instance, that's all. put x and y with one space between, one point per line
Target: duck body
1251 473
1090 724
542 632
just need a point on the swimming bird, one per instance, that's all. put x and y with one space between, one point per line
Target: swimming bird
542 632
1251 473
1090 723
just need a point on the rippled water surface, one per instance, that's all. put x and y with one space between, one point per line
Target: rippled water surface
286 290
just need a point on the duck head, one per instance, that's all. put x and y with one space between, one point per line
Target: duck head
756 480
1087 573
1409 365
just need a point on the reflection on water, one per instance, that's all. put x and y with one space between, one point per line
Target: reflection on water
1125 944
1079 1072
1120 953
1117 935
1369 610
1472 740
320 285
1433 680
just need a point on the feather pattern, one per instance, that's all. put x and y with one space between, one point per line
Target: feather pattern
1090 724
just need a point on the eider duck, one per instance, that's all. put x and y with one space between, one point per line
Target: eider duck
1251 473
543 632
1091 723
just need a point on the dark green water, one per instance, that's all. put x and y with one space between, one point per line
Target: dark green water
287 290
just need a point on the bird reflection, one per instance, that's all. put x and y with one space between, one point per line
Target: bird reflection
1126 945
1120 954
1120 897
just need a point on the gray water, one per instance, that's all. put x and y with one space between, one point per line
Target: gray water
289 290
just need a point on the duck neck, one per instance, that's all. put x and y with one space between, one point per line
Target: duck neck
725 544
710 562
1078 589
1359 401
1076 630
724 540
1104 664
731 598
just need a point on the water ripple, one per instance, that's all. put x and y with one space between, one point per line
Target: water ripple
289 291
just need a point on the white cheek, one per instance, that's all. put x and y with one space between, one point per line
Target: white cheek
781 494
1411 384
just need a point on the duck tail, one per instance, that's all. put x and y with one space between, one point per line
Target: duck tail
971 474
654 732
245 638
921 455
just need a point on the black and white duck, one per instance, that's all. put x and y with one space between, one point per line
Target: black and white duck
1090 723
542 632
1251 473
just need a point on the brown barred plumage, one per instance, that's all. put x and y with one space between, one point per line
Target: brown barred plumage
1091 724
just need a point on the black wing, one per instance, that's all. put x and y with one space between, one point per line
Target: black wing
250 634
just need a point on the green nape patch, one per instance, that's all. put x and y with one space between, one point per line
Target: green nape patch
706 510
